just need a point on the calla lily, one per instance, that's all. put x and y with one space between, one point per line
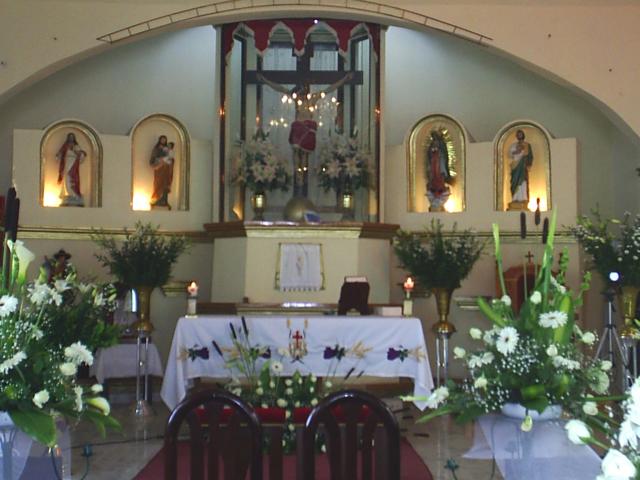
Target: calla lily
99 403
22 257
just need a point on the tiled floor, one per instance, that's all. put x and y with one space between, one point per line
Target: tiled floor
121 455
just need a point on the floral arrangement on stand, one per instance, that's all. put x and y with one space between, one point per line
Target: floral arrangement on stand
439 261
344 165
143 261
261 382
534 359
48 331
259 167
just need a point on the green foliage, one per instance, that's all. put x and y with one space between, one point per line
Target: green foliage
612 244
436 259
144 258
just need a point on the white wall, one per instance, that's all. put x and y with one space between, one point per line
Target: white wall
173 73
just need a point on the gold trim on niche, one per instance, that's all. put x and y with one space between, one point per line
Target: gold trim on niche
541 138
185 152
455 138
95 199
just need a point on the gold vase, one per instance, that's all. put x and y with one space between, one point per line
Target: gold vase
144 309
628 303
259 204
443 300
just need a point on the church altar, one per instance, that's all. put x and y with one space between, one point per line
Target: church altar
248 263
389 347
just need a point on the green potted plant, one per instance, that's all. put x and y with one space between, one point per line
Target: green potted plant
440 262
143 261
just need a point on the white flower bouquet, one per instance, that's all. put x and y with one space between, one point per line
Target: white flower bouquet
40 356
534 358
259 168
344 165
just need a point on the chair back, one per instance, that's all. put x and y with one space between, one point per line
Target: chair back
353 422
224 425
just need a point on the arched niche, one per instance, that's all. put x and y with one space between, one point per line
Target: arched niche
511 161
70 165
432 188
160 171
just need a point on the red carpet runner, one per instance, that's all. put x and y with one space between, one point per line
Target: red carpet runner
411 464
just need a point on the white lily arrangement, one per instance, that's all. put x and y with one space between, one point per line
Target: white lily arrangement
534 358
40 356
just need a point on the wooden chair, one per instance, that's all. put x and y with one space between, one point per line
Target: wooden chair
364 429
233 434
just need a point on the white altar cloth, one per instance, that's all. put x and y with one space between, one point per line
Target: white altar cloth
544 453
376 346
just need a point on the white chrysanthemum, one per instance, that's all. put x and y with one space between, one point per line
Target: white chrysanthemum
8 305
68 368
553 319
506 299
259 391
475 333
78 391
96 388
606 365
507 340
12 362
276 368
536 297
459 352
552 350
602 383
288 382
288 391
577 431
40 398
281 402
616 466
314 402
78 354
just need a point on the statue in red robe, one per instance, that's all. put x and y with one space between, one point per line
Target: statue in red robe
70 155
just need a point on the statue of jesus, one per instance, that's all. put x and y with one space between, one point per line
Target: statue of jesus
302 136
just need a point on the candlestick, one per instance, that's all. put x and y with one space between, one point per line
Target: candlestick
408 286
407 304
192 299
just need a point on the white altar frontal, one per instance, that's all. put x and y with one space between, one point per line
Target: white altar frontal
280 262
390 347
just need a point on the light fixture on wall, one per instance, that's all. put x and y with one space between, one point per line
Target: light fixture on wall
141 201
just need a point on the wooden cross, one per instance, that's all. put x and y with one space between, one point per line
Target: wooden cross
303 74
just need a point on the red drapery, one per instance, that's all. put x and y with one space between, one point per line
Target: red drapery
299 28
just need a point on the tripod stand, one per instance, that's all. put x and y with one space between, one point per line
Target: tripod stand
615 346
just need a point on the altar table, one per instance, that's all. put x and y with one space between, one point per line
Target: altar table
376 346
543 453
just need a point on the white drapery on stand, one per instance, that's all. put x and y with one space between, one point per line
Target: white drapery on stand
300 266
544 453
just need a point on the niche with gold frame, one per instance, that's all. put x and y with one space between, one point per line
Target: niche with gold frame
522 167
436 156
70 165
160 159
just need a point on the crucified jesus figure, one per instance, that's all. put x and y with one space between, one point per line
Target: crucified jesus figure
302 135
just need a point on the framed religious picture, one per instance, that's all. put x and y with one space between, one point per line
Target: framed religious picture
160 159
436 165
70 165
522 167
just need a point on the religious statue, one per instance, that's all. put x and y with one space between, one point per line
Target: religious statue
162 160
70 155
302 135
521 161
438 175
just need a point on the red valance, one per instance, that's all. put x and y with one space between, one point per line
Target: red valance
299 28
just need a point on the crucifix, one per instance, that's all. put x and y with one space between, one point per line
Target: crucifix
529 257
302 135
